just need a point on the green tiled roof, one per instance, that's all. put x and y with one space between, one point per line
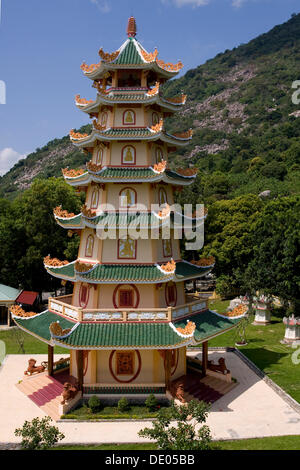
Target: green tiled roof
176 176
123 334
125 272
39 325
135 334
127 173
75 221
132 133
186 270
208 324
118 219
63 272
129 55
8 294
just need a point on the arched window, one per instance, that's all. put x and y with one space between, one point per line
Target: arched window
84 293
95 199
159 155
167 247
129 117
128 155
127 248
127 197
99 156
162 196
126 295
103 119
89 247
155 119
171 294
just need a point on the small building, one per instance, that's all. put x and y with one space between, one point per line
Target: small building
8 296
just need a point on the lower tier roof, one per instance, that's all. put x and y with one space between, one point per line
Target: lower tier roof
126 335
124 273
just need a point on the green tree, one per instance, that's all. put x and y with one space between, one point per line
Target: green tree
38 434
184 435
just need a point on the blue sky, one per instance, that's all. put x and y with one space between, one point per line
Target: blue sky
43 43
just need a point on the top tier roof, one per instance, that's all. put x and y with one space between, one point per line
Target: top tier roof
130 55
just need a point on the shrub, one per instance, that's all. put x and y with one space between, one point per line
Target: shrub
151 403
123 404
38 434
94 404
183 436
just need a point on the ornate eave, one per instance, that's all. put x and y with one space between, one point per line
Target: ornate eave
120 97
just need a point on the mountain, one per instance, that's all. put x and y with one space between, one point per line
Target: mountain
246 130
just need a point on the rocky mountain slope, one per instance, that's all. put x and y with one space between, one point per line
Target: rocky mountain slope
245 125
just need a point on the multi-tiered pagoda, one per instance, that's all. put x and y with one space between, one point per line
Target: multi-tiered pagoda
129 321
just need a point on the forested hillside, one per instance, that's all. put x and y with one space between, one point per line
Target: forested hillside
246 133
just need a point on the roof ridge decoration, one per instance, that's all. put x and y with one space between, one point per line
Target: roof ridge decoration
149 56
17 311
169 267
86 212
93 167
188 330
157 127
77 135
108 57
154 90
81 267
89 68
83 101
159 167
72 173
99 127
169 66
54 262
184 135
57 332
189 172
205 262
63 214
179 99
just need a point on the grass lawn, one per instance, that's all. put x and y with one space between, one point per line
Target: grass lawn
266 443
111 412
265 350
31 345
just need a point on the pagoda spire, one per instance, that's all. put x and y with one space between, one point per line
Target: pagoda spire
131 27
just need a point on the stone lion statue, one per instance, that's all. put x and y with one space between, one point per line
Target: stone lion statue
69 392
32 368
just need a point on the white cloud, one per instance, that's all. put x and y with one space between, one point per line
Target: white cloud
193 3
8 157
238 3
102 5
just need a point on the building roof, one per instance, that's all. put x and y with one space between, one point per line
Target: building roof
131 335
124 273
27 297
208 324
8 294
129 175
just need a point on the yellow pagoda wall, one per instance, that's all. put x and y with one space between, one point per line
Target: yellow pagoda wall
140 153
139 117
180 294
143 193
151 367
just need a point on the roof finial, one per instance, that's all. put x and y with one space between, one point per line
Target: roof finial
131 27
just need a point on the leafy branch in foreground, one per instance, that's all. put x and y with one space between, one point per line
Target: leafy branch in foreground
38 434
186 434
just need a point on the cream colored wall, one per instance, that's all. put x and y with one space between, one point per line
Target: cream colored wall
147 295
81 253
93 295
141 153
152 370
142 191
169 192
149 116
180 295
105 157
143 252
160 253
139 117
181 364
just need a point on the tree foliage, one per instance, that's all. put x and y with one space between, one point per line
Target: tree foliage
187 434
38 434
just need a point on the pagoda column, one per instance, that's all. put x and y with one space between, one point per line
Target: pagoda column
168 368
204 358
50 359
79 368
